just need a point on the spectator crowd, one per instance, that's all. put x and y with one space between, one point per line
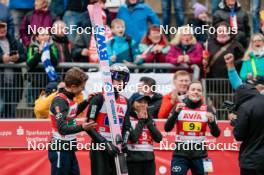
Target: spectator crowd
133 36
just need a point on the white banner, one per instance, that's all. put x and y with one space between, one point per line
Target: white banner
163 83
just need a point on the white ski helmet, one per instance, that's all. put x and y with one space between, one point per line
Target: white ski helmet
120 72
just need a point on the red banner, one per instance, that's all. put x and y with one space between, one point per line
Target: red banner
26 134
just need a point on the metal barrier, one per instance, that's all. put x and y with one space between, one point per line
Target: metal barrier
19 88
216 92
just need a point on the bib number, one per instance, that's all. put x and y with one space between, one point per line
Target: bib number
192 126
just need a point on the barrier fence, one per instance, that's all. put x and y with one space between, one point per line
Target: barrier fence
19 88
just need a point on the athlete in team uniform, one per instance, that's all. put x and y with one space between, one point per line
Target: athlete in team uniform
191 119
142 132
102 161
63 113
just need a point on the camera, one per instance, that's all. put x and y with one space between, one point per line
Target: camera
229 106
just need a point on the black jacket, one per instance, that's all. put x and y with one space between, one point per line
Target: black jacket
191 153
249 127
197 24
154 105
218 68
134 133
82 41
222 14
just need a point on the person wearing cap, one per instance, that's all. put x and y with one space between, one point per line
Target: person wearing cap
191 118
199 22
141 131
102 161
11 52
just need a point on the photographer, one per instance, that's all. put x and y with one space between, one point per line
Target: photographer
248 128
248 121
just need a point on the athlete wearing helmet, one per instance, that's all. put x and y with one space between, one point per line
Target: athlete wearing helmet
102 161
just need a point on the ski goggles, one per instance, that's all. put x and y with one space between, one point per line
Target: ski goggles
120 76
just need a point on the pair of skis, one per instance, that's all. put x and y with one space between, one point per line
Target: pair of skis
95 13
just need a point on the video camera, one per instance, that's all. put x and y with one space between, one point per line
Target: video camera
229 105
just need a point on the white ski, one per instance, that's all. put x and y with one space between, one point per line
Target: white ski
95 13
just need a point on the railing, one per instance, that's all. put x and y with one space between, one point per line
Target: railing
19 89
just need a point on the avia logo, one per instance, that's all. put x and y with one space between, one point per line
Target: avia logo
192 116
120 110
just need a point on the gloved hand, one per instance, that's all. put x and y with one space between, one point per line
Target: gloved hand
111 149
124 147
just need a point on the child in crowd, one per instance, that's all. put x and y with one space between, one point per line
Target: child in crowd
200 22
42 50
154 47
121 48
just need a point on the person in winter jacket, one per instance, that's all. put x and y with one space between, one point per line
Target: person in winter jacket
232 13
147 86
103 160
18 9
236 81
248 128
61 41
63 112
121 48
181 82
153 47
222 43
184 49
6 17
11 52
42 104
191 118
142 132
136 17
253 62
35 55
39 17
200 21
73 15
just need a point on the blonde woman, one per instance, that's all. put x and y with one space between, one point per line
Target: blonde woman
184 48
253 62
